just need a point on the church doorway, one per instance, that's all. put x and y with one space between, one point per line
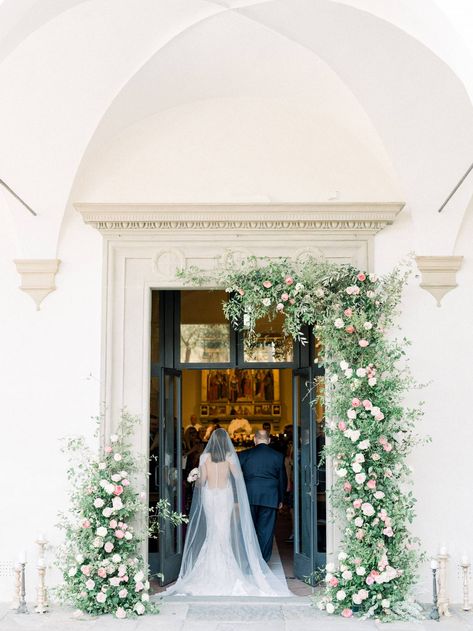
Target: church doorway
204 376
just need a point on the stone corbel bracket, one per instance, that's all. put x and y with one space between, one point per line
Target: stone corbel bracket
37 277
439 274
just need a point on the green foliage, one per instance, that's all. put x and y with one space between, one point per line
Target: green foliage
370 431
102 567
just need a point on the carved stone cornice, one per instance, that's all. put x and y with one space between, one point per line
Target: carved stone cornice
37 277
328 218
439 274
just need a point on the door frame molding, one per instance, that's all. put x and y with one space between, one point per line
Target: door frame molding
144 245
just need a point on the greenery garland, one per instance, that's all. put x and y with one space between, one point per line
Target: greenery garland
100 560
369 433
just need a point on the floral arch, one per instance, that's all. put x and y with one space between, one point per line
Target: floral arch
369 433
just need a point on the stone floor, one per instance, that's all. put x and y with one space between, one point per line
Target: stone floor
192 614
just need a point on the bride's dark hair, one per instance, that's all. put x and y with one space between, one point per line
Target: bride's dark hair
218 445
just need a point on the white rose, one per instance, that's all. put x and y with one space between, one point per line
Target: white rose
339 324
341 472
379 495
356 599
347 575
349 373
330 567
101 597
139 576
116 558
101 531
145 597
351 414
356 466
334 379
139 608
341 595
128 535
102 466
360 570
97 542
117 457
110 488
115 581
359 458
330 608
90 584
375 457
368 326
120 613
360 478
117 503
116 477
344 365
364 444
107 511
342 556
361 372
375 410
98 502
72 571
80 558
372 381
385 603
103 483
367 509
359 522
266 302
113 438
373 277
350 513
124 474
319 292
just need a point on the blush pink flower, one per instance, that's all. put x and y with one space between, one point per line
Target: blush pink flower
363 343
350 328
369 580
118 490
126 482
382 440
388 532
347 613
361 277
360 533
379 416
371 484
387 447
102 572
267 284
241 292
85 569
113 523
333 582
342 426
108 546
357 503
119 534
348 312
347 487
292 301
86 523
108 449
367 404
356 403
289 280
284 297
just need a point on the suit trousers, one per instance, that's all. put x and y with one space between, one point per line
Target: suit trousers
264 519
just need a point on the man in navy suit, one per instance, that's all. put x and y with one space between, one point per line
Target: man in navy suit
265 477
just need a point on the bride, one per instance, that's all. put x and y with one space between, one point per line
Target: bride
221 553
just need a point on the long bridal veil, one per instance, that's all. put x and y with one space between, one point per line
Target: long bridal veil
221 553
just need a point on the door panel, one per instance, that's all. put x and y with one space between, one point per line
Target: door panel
309 480
170 473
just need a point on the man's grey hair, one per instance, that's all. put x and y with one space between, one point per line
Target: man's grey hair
261 436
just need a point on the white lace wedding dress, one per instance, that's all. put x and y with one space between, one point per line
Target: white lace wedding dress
221 554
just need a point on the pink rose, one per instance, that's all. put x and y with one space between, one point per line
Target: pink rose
123 593
369 580
139 586
108 449
374 573
292 301
125 482
350 328
363 343
356 403
348 312
333 582
357 503
118 490
342 426
113 523
241 292
85 569
382 440
357 561
267 284
367 404
347 487
363 594
108 546
284 296
102 572
379 416
119 534
361 277
387 447
86 523
360 533
347 613
371 484
280 306
289 280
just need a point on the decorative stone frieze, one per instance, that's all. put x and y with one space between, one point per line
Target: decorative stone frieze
438 274
37 277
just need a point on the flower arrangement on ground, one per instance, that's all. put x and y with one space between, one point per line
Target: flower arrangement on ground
103 570
370 432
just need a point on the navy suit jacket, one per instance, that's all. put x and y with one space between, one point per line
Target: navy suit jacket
265 475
